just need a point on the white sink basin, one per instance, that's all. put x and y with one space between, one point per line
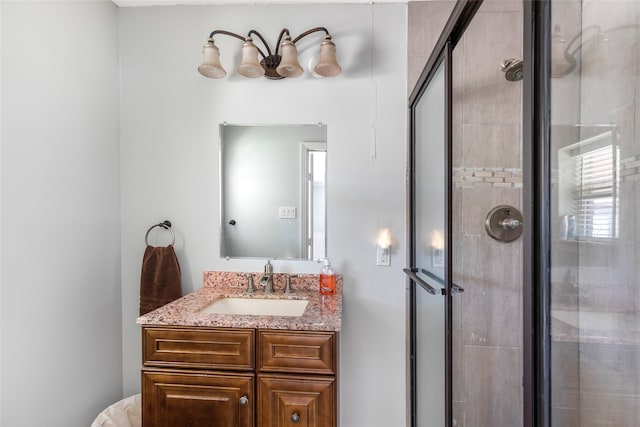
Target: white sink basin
257 306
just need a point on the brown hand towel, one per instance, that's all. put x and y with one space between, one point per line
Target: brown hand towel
160 282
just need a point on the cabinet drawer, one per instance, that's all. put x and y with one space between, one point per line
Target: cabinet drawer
302 352
198 348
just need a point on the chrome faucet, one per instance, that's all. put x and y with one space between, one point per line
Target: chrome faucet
267 278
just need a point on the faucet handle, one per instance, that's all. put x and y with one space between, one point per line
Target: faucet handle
250 287
287 282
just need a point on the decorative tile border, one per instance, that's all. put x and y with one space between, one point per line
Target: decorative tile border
487 177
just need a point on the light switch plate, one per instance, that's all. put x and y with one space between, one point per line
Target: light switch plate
286 212
437 257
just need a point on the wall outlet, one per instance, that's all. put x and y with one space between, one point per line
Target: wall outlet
383 256
437 257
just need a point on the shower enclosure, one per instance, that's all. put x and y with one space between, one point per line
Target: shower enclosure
524 218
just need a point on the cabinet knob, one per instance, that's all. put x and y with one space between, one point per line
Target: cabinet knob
295 417
244 400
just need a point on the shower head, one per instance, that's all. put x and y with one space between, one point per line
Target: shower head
512 69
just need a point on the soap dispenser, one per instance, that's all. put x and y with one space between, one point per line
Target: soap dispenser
327 279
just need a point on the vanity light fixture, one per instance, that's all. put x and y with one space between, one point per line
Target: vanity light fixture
274 65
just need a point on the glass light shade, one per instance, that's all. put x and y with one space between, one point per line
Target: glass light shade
327 65
289 66
250 66
211 66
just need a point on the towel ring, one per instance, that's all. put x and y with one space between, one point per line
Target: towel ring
164 224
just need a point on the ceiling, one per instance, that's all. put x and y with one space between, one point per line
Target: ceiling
136 3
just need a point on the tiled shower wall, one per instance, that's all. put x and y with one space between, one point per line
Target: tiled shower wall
426 21
487 172
487 141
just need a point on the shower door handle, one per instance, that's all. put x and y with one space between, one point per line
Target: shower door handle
455 289
413 273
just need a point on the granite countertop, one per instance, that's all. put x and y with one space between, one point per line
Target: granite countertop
323 312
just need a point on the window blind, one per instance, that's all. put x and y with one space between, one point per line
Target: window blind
596 177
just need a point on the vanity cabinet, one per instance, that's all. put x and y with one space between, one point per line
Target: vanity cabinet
238 377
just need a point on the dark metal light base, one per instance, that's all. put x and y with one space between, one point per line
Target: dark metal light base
270 63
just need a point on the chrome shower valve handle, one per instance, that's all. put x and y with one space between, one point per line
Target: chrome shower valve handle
504 223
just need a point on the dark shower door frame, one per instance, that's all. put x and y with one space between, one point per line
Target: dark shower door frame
536 204
536 195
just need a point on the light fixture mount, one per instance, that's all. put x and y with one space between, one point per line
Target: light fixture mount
275 65
270 63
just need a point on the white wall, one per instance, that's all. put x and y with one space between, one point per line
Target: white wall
0 211
60 278
169 147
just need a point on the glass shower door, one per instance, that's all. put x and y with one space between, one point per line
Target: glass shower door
467 287
427 324
595 219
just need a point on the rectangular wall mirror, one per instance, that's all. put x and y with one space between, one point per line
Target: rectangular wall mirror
273 191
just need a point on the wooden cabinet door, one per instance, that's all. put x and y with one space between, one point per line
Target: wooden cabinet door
197 399
296 401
